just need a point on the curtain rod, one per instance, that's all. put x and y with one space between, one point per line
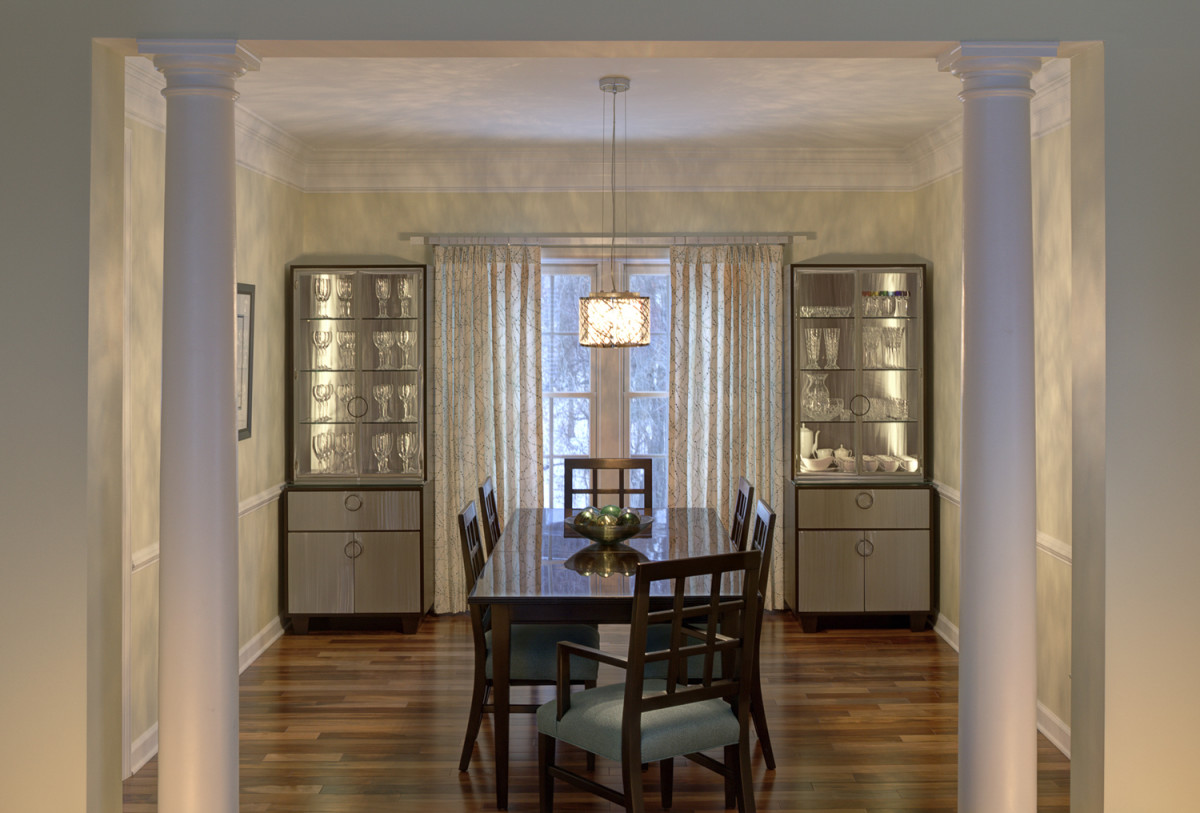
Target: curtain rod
597 240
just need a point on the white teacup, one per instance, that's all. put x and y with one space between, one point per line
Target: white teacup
824 453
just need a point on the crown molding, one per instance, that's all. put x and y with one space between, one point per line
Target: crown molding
264 148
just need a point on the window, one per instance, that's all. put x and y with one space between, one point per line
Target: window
603 403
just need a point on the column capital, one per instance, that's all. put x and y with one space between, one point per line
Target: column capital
996 68
199 66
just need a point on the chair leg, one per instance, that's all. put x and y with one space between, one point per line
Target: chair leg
744 781
759 714
730 776
478 696
631 784
546 749
666 779
591 758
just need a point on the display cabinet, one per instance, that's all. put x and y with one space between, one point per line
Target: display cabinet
358 501
859 532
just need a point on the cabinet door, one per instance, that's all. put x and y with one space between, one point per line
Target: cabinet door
387 573
897 571
320 573
830 572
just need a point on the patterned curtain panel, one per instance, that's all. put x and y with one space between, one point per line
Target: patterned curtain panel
726 382
487 357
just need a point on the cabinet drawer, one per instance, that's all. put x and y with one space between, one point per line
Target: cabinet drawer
862 508
354 510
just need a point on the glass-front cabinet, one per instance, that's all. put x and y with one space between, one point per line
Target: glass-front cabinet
858 372
358 373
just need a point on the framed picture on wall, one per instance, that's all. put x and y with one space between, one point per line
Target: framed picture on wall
245 357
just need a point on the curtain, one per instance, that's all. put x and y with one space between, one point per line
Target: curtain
487 372
726 383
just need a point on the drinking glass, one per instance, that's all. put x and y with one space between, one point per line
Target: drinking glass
407 342
347 342
384 341
321 340
343 444
404 290
383 290
407 402
832 334
345 393
321 291
321 393
893 339
345 293
872 344
381 445
812 348
383 397
407 449
322 447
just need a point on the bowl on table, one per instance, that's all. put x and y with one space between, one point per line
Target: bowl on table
608 525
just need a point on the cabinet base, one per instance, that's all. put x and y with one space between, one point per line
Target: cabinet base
917 620
408 623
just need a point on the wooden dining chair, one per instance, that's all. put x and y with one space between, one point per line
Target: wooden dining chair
649 719
624 489
739 526
491 515
532 658
760 540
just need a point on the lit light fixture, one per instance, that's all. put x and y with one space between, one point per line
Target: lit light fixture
614 318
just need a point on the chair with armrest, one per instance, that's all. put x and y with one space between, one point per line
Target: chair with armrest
739 525
533 657
624 489
760 540
491 515
655 719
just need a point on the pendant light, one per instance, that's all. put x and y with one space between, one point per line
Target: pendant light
614 318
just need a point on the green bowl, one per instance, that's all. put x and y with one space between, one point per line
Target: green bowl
609 533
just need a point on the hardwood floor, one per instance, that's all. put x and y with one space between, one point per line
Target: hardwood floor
861 721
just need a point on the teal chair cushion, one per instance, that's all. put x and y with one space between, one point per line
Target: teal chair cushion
534 651
594 723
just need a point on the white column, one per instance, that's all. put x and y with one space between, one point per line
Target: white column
997 717
198 585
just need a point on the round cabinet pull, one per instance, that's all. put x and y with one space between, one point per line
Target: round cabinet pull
353 502
353 549
864 548
357 406
860 405
864 500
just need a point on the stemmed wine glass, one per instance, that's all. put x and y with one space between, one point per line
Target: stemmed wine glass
345 293
345 393
322 393
383 290
347 343
407 341
384 341
383 397
407 449
322 448
404 291
343 444
321 340
893 338
321 290
407 393
381 445
832 335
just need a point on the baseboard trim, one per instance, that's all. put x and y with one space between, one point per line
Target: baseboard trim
259 644
1049 723
143 749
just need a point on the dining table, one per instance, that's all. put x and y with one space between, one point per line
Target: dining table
542 571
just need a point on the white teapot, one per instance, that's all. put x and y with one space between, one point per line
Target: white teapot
842 453
808 440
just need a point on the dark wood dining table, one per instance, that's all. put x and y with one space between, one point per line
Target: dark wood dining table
526 580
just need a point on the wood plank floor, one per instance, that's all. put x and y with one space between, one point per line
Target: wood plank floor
862 722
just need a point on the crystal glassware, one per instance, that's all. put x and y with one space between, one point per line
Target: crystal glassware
345 393
408 394
345 294
381 445
872 346
893 339
816 396
407 449
321 340
384 341
812 348
321 394
321 291
832 335
343 444
406 340
383 290
383 397
347 342
404 290
322 447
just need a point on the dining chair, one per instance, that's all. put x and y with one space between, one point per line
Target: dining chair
532 659
741 513
491 515
624 467
760 540
653 719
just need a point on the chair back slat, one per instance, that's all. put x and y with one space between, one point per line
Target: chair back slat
491 515
741 514
760 540
624 488
474 556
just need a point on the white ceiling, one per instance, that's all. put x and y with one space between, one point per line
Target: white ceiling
339 103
